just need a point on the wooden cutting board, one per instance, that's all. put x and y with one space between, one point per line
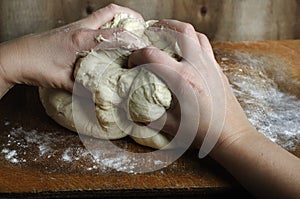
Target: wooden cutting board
40 158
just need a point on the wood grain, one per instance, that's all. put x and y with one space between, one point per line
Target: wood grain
19 18
48 173
230 20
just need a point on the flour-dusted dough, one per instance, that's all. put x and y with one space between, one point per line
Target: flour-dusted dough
122 96
58 105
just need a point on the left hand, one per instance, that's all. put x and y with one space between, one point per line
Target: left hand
47 59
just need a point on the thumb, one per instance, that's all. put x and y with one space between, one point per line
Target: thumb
158 62
150 55
170 121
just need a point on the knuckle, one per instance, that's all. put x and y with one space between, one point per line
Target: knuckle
94 16
203 40
186 74
148 52
112 6
98 15
188 78
77 37
188 28
138 15
202 36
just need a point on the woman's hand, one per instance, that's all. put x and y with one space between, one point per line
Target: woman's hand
264 168
199 71
47 59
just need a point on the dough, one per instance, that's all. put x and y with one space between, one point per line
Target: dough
58 105
122 97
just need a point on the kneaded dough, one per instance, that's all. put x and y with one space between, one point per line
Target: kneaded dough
122 97
60 106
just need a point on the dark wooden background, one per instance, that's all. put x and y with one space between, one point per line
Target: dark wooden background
27 170
221 20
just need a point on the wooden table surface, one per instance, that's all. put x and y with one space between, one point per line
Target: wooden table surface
39 158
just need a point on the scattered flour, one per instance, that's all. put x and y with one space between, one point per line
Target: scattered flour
66 156
62 152
274 113
10 155
23 146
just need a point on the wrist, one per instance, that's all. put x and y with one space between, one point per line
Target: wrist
5 80
231 139
11 62
4 88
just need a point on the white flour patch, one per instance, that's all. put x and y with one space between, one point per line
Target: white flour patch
10 155
66 156
274 113
34 147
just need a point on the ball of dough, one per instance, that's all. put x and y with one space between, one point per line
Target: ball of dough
60 106
122 97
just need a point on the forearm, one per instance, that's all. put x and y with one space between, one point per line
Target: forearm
264 168
20 61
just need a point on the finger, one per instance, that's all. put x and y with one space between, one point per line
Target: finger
158 62
186 38
150 55
67 84
182 27
170 121
154 57
205 44
79 90
179 80
75 88
106 14
183 119
164 66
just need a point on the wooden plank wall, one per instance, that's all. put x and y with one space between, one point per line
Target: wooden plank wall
221 20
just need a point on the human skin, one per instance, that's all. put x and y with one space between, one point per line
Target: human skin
260 165
47 59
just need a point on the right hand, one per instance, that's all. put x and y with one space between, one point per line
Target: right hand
260 165
198 58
